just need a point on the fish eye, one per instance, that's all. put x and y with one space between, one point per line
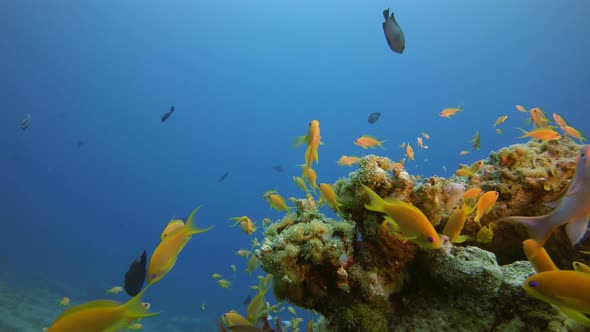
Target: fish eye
533 283
430 239
153 276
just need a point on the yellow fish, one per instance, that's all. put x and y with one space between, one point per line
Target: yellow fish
101 315
165 255
409 152
300 183
573 132
565 289
411 221
485 204
276 201
367 141
500 120
232 319
311 176
581 267
485 234
313 140
329 196
173 226
455 224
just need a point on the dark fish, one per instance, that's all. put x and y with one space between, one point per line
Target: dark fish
79 143
223 177
393 33
373 117
135 276
279 168
247 300
167 114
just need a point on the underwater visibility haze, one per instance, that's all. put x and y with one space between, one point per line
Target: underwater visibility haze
132 126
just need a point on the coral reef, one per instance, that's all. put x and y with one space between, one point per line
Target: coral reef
362 276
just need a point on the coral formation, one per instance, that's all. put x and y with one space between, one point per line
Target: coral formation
362 276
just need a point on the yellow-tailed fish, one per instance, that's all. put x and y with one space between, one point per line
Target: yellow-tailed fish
538 117
448 112
538 257
313 140
412 222
301 183
573 132
64 302
101 315
573 210
234 319
277 201
252 264
311 176
165 255
224 283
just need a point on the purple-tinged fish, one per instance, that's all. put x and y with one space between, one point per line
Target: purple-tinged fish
573 209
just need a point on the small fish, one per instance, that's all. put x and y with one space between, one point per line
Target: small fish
485 204
393 33
463 152
114 290
421 143
565 289
248 298
313 140
167 114
276 201
252 264
475 142
135 326
348 160
498 131
573 210
79 144
203 306
543 134
413 224
233 268
448 112
472 193
409 152
455 224
311 176
25 122
216 276
64 302
538 117
301 183
573 132
223 283
223 177
367 141
500 120
243 253
329 196
559 120
373 117
485 234
135 276
521 108
425 135
279 168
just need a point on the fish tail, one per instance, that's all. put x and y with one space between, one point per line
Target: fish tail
376 203
192 226
135 309
525 133
539 229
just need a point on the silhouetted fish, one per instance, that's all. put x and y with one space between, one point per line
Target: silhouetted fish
247 300
135 276
24 124
393 33
279 168
79 143
167 114
373 117
223 177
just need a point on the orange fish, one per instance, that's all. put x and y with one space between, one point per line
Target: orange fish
543 134
455 224
409 152
329 196
559 120
520 108
313 141
277 201
463 152
367 141
573 132
426 135
538 117
538 257
485 204
348 160
421 143
448 112
500 120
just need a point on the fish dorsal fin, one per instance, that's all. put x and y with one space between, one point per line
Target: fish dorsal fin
386 14
90 305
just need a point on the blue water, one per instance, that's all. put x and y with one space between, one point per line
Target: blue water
245 77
